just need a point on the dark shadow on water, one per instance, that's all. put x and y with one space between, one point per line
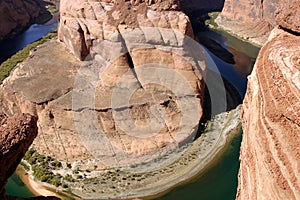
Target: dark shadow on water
9 47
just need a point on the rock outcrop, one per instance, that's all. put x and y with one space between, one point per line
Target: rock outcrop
254 20
270 115
138 94
16 15
84 25
270 153
16 135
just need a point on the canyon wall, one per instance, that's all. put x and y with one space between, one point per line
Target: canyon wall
16 15
253 20
270 154
16 135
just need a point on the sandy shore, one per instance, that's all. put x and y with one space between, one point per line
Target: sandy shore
35 187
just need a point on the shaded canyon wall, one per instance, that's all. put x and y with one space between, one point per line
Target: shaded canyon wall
253 20
17 15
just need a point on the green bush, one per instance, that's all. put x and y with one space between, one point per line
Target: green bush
56 182
7 66
26 167
56 163
69 178
29 153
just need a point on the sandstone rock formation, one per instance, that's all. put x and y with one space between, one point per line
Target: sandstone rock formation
138 94
270 154
253 20
84 25
16 135
16 15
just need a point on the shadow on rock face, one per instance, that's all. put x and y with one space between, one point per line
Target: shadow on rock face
16 135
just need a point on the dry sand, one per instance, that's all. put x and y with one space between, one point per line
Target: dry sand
37 188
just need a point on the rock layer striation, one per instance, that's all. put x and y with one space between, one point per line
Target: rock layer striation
270 151
254 20
137 93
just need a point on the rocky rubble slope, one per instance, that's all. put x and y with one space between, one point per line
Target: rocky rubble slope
16 135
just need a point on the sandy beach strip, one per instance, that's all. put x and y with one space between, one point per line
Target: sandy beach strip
35 187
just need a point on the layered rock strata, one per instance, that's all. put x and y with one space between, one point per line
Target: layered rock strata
137 95
270 154
16 15
254 20
16 135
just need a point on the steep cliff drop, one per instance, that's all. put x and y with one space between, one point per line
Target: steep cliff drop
270 154
132 94
17 15
119 100
254 20
16 135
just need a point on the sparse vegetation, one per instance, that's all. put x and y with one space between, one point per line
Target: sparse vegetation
42 167
211 20
7 66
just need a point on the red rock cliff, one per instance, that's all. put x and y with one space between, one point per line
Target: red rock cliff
253 20
270 152
16 135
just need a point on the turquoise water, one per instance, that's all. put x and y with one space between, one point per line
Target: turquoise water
218 183
15 187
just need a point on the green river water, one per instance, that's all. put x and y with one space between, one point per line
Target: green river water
220 181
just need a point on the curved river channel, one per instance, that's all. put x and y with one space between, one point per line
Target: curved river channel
219 182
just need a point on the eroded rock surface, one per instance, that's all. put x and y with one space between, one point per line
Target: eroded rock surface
270 154
16 135
254 20
84 25
138 94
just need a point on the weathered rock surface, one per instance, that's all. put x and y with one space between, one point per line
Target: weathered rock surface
138 94
270 152
15 15
254 20
84 25
16 135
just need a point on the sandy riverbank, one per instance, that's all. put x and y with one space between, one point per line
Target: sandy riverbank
35 187
200 156
194 160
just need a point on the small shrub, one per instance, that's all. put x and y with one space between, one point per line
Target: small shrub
56 182
69 178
